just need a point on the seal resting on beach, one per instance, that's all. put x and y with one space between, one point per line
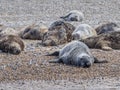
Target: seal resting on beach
11 44
33 32
54 38
75 53
83 31
4 30
107 41
106 28
62 24
59 32
73 15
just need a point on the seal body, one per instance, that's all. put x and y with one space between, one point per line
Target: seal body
59 32
73 15
107 41
83 31
11 44
33 32
75 53
106 28
4 30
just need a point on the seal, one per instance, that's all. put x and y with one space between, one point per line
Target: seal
75 53
4 30
106 28
11 44
73 15
59 32
106 41
83 31
54 38
33 32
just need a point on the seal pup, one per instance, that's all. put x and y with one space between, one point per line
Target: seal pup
106 41
11 44
75 53
73 15
83 31
33 32
106 28
62 24
59 32
54 38
4 30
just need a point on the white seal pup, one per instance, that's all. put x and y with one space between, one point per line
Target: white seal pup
83 31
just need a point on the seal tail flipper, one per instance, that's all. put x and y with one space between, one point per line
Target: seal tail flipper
62 17
65 17
54 61
56 53
98 61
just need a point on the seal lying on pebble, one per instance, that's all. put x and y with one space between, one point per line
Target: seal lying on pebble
11 44
106 27
107 41
73 15
33 32
4 30
54 38
75 53
83 31
60 32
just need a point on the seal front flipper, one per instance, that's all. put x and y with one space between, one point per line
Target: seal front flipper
56 53
98 61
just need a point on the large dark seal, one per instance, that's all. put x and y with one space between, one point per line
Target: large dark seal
73 15
33 32
59 32
75 53
83 31
107 41
11 44
106 28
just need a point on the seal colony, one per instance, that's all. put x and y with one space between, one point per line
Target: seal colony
75 53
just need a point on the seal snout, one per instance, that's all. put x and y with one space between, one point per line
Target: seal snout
85 62
87 65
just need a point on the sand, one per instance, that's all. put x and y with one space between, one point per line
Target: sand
31 71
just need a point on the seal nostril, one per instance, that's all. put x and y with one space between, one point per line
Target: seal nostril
87 65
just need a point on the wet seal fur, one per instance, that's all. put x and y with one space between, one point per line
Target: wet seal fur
106 28
75 53
83 31
33 32
11 44
107 41
59 32
73 15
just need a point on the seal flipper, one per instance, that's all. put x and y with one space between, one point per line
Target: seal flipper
56 53
65 17
97 61
55 61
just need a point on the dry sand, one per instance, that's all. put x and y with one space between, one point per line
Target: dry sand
31 71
